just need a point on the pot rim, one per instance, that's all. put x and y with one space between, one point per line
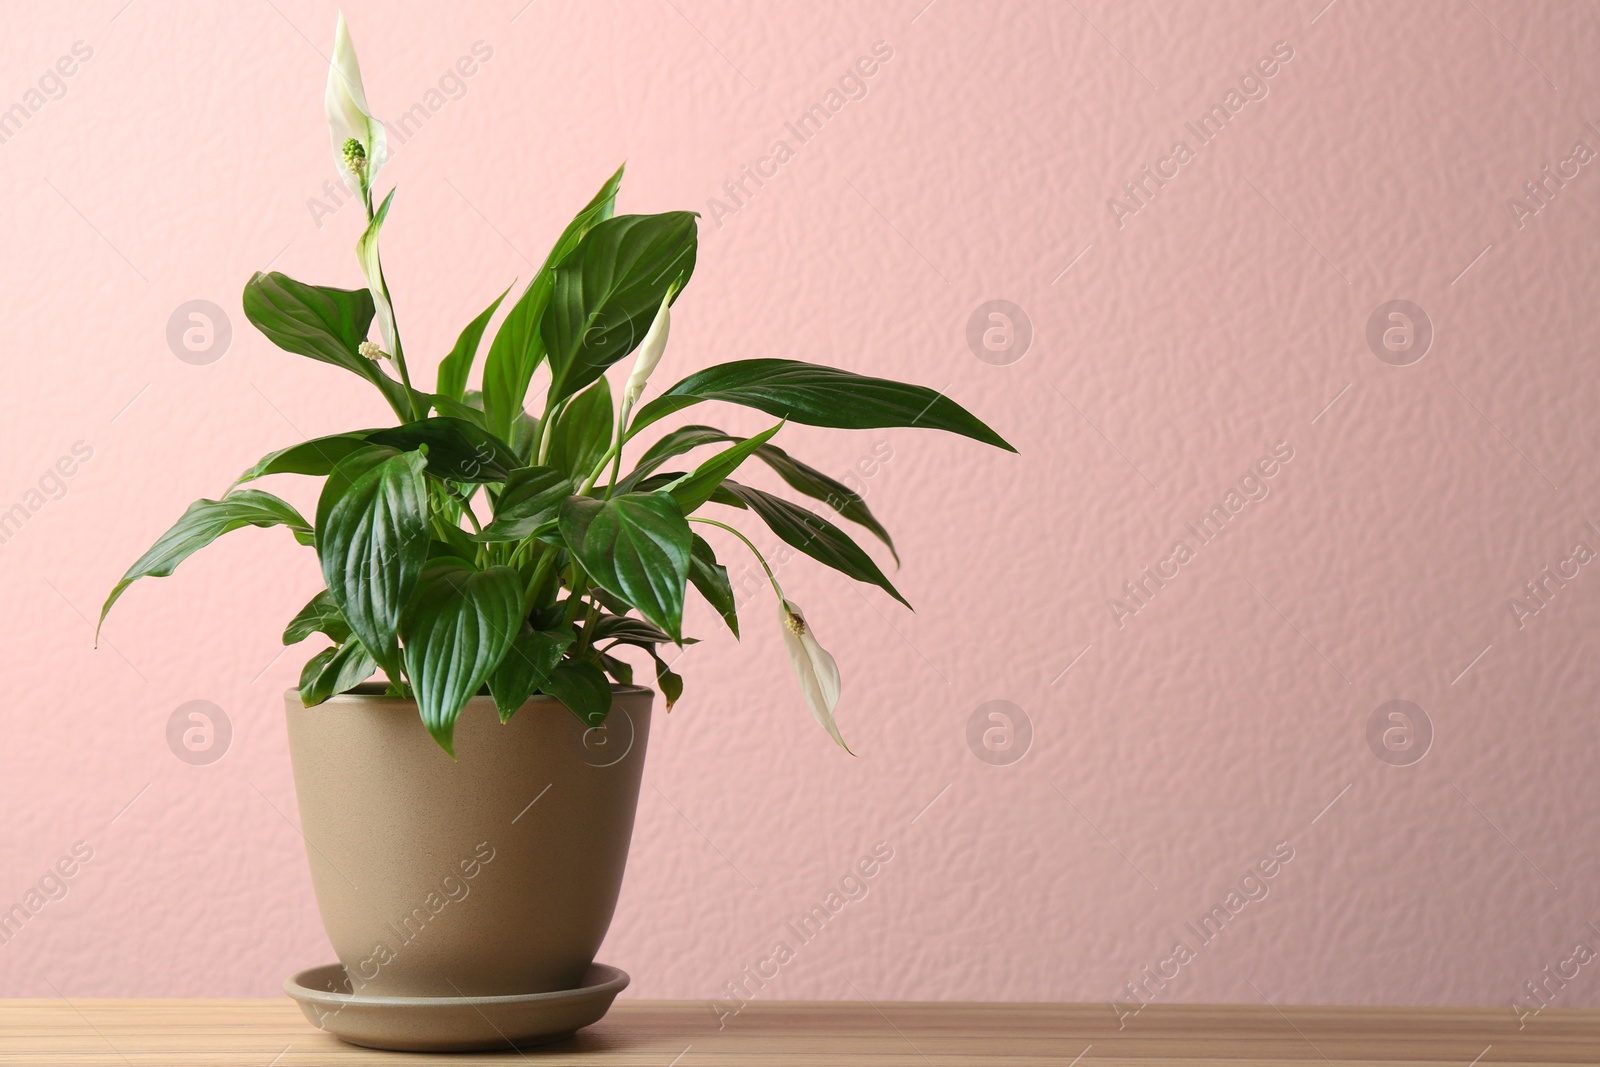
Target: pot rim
373 693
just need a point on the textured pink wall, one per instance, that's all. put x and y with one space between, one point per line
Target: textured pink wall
1176 342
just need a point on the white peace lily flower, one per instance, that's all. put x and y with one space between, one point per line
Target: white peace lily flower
816 669
650 351
359 143
371 350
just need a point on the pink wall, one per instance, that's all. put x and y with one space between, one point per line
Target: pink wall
1175 343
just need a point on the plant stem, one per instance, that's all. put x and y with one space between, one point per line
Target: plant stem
776 588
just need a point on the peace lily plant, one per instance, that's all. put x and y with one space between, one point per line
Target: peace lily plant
475 546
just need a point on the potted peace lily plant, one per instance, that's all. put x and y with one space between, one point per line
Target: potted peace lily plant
487 562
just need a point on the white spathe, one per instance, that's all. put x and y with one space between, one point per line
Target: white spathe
814 666
348 115
651 350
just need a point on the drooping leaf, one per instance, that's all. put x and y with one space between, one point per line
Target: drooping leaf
583 688
711 578
454 368
605 294
335 670
372 546
456 631
518 347
628 631
532 497
458 450
619 669
670 683
694 489
635 546
320 615
202 523
583 432
813 483
819 396
815 536
526 667
321 322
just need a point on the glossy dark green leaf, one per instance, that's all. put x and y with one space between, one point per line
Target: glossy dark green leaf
320 615
321 322
711 578
518 347
819 396
458 450
454 368
583 688
627 630
636 547
583 432
676 443
526 666
202 523
815 536
455 631
531 498
668 681
344 473
372 547
335 670
696 488
314 457
606 293
813 483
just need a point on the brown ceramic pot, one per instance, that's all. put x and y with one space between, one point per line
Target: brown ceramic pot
493 874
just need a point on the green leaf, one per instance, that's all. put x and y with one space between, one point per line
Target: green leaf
202 523
636 547
815 536
531 498
693 490
627 630
671 684
583 688
314 457
373 546
526 667
335 670
606 293
454 368
838 496
676 443
818 396
321 322
320 615
583 432
518 347
456 630
711 578
458 450
344 474
620 669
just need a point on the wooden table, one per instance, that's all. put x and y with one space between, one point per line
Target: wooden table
272 1033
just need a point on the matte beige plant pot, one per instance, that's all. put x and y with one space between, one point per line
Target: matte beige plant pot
494 874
